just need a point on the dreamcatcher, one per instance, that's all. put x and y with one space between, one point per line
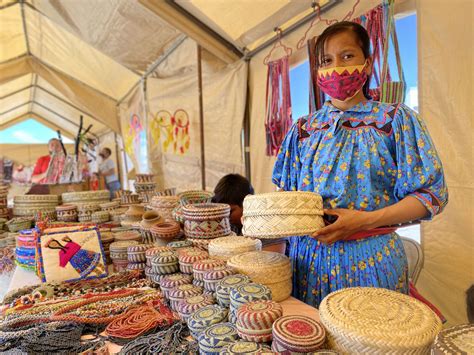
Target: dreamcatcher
162 125
172 130
181 136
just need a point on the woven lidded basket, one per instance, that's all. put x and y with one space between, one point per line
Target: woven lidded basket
206 220
195 196
246 347
376 320
214 338
298 334
282 214
455 340
204 317
226 247
268 268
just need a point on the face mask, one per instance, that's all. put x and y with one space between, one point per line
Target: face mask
342 83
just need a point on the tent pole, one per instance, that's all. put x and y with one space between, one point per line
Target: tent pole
16 92
117 158
201 118
246 128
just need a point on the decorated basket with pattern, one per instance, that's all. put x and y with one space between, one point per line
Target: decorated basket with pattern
204 317
86 197
217 336
180 244
200 243
194 197
166 230
268 268
455 340
206 220
165 206
282 214
298 334
110 206
255 320
181 292
247 348
171 281
226 247
376 320
100 217
19 223
191 304
250 292
213 276
66 213
225 285
70 254
188 256
165 262
136 253
200 267
136 266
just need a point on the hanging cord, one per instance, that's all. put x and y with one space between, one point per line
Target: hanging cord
278 44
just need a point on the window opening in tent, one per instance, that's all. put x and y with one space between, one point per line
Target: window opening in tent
407 38
29 131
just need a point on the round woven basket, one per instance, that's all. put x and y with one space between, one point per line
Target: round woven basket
18 224
282 214
180 244
299 334
188 256
201 266
212 277
171 281
376 320
204 317
455 340
206 220
268 268
181 292
191 304
100 217
36 199
194 197
228 283
214 338
247 348
226 247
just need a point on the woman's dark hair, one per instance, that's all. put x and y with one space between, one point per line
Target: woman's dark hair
470 304
361 34
232 189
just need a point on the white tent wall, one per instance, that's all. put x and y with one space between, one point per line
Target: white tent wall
445 37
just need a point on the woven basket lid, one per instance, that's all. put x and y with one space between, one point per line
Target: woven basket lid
127 236
206 211
121 246
249 292
191 255
262 266
207 264
218 273
246 347
231 281
136 266
205 317
164 257
283 203
259 315
180 244
138 248
298 333
64 208
86 195
229 246
218 335
193 303
183 291
174 280
165 201
195 196
156 250
455 340
366 319
27 199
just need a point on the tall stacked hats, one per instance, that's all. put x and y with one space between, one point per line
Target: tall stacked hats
243 294
204 317
297 334
31 205
3 201
255 320
214 338
165 205
149 220
136 256
375 320
267 268
226 247
149 254
225 285
119 254
25 251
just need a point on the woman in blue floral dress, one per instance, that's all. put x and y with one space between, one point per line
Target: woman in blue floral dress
374 164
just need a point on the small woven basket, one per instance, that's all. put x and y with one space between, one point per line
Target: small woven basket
455 340
282 214
374 320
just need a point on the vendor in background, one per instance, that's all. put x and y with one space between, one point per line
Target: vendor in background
107 169
42 164
373 163
232 189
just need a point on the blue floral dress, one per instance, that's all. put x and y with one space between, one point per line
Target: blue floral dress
366 158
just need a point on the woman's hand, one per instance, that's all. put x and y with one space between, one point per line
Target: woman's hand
348 223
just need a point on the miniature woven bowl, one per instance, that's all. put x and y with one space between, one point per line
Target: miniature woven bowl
376 320
195 197
166 230
282 214
299 334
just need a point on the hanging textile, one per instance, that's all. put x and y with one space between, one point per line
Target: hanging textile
278 107
316 96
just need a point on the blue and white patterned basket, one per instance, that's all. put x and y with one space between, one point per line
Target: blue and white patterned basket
203 318
214 338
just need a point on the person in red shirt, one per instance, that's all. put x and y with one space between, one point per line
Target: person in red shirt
41 167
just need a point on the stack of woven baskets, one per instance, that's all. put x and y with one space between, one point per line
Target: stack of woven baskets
189 198
32 205
25 251
149 254
216 337
145 186
255 320
119 254
106 238
224 287
85 212
99 217
86 197
368 320
267 268
149 220
282 214
243 294
136 256
227 247
298 334
200 268
164 205
206 221
203 318
3 201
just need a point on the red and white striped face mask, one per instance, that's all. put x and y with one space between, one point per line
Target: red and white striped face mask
342 83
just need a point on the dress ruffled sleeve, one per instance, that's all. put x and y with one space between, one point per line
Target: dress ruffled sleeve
288 164
420 172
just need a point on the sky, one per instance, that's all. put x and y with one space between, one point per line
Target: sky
406 33
31 131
